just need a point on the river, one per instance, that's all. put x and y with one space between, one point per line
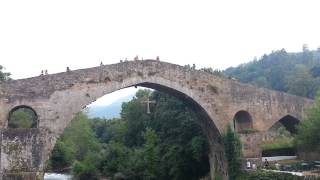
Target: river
55 176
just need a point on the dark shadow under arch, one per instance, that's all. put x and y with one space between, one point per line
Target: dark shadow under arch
242 120
290 123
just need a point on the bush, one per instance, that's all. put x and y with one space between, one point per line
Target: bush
247 131
232 146
279 152
267 175
61 157
308 130
283 147
86 169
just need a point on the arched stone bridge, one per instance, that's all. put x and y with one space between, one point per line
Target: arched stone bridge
58 97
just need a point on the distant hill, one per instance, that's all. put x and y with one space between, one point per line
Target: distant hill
295 73
109 111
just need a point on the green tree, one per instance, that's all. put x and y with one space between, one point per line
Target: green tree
233 152
107 130
183 146
77 144
61 157
300 82
115 159
4 76
168 143
134 113
151 154
296 73
87 168
308 137
80 137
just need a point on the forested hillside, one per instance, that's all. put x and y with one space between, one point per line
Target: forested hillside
295 73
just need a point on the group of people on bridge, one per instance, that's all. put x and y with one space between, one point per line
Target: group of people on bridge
136 58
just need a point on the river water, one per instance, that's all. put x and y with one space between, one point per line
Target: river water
55 176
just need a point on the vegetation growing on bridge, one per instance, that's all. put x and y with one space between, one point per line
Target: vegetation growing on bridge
233 153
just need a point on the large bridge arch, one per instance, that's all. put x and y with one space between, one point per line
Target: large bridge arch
58 97
84 94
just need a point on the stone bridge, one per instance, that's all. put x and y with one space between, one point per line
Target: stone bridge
57 98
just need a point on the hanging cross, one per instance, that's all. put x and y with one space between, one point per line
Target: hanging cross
148 102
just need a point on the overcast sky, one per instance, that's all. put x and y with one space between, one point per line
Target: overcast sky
36 35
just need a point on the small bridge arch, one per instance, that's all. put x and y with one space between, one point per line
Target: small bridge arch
242 121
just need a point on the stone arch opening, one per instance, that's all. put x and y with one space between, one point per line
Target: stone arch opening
22 117
242 121
290 123
205 121
281 133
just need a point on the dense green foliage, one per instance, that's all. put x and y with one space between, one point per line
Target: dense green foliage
296 73
279 147
233 152
165 144
4 76
308 137
267 175
79 147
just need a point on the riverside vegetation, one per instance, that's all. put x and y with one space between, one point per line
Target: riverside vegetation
165 144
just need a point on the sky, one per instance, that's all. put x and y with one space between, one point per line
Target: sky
40 34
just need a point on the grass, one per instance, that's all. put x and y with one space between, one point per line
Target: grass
281 147
247 131
279 144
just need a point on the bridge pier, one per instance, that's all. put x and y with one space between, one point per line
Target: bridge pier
251 147
23 153
251 144
218 165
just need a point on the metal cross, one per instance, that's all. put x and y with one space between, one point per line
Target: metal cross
148 102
